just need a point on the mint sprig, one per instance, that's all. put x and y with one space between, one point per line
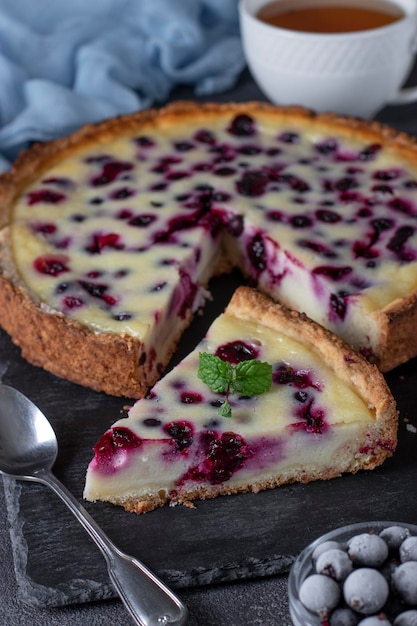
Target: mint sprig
248 378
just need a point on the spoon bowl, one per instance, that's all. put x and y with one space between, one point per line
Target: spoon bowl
28 450
27 440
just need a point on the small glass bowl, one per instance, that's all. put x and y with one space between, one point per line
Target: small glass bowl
303 565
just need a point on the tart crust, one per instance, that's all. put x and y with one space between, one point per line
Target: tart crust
109 362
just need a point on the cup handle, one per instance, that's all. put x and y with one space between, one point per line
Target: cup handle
404 96
408 94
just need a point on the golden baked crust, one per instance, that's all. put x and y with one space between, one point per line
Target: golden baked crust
350 367
109 362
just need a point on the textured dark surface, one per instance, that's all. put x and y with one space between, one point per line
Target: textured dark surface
225 539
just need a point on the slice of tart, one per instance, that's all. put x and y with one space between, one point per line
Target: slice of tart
328 411
108 238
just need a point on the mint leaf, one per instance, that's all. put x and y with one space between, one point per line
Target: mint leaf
225 410
252 377
248 378
214 372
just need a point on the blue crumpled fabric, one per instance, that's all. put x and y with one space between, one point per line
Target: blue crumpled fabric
65 63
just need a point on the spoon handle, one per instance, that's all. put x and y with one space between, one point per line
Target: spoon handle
149 601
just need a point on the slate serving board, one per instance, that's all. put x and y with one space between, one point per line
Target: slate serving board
222 540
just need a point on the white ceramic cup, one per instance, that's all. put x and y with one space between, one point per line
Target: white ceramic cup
355 73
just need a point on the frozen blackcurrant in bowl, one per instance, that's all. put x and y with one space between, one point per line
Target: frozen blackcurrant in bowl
374 550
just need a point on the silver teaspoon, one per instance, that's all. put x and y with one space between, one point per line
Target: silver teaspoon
28 450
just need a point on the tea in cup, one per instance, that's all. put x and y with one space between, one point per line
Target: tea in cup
353 65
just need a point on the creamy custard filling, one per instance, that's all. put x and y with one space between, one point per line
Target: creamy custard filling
176 438
325 223
152 472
